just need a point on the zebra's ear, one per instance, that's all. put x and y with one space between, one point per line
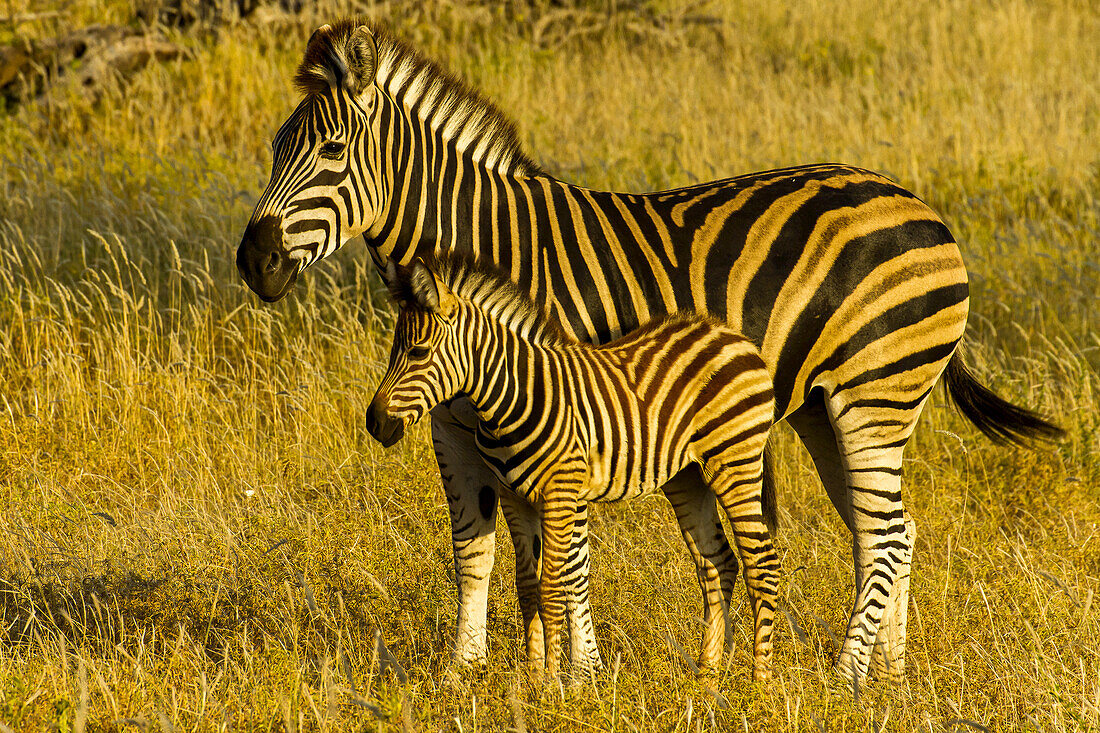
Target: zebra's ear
397 279
362 60
429 291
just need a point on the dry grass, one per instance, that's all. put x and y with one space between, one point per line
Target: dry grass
199 534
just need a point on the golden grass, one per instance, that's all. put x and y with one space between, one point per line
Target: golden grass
199 534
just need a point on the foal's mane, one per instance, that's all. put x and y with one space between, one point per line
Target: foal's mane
498 297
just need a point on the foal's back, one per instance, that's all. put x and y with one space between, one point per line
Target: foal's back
680 390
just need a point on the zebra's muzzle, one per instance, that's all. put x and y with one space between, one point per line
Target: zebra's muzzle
382 427
263 262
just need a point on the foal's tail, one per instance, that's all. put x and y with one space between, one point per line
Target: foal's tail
767 497
1000 421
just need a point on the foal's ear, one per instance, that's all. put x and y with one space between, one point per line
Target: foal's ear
392 277
429 291
339 56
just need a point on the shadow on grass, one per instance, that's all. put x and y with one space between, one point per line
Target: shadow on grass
111 609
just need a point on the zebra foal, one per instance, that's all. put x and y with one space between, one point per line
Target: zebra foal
565 423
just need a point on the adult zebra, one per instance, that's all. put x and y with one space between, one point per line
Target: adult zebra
852 288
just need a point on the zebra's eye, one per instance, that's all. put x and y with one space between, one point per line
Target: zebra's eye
332 149
419 352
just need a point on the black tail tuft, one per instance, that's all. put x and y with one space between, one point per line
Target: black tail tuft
1000 421
767 497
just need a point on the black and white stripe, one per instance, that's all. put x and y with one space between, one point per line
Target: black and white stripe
852 288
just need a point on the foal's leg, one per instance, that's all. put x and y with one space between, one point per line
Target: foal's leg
739 488
558 506
525 527
584 655
715 563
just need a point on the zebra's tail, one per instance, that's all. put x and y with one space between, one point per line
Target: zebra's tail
767 497
1000 420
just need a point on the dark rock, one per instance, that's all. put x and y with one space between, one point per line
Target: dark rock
91 55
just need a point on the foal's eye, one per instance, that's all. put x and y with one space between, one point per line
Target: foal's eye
419 352
332 149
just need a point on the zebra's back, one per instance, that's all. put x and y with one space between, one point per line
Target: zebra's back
816 265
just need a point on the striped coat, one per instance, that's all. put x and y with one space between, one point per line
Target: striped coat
853 290
564 423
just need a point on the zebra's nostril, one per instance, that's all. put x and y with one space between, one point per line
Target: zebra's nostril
274 260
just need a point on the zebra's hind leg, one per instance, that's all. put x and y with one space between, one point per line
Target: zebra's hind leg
872 441
888 657
525 528
812 424
738 485
880 551
715 564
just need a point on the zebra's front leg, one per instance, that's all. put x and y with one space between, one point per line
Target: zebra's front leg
716 566
558 507
471 491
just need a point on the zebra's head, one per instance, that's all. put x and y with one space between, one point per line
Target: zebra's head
426 365
321 192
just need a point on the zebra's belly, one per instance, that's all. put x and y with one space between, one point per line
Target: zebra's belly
619 475
613 475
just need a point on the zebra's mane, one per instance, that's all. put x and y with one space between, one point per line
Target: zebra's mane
442 100
498 297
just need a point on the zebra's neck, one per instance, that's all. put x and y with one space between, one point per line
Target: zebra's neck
445 193
438 139
504 370
454 179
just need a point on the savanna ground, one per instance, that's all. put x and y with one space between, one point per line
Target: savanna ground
199 534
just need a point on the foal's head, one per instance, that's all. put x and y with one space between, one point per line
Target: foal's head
426 365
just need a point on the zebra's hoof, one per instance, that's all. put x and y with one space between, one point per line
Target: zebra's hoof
848 679
890 674
888 668
459 675
585 671
455 679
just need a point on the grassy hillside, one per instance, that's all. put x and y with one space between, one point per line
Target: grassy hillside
199 534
